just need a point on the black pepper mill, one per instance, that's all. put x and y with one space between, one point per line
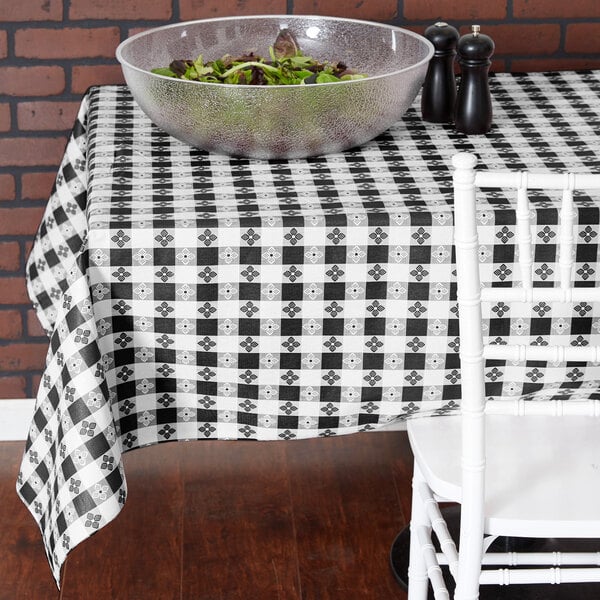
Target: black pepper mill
473 114
439 88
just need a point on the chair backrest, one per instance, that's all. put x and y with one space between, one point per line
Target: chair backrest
473 350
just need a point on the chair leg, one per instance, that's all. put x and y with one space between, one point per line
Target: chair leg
470 556
467 586
418 580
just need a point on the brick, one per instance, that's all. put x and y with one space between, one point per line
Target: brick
416 28
134 30
34 328
553 64
22 152
13 387
36 380
497 66
436 10
37 186
4 116
69 42
20 221
375 10
46 115
3 44
32 81
11 327
541 9
200 9
528 40
10 255
13 291
583 38
7 187
23 357
120 9
32 10
84 76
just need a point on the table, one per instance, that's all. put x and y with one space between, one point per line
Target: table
193 296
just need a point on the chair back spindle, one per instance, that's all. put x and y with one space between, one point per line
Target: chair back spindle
525 255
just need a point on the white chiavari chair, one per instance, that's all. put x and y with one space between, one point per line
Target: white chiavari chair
517 468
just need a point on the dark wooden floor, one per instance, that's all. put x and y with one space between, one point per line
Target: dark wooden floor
310 520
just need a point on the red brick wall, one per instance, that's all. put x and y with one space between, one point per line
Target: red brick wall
51 51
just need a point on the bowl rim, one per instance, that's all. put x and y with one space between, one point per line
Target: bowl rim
418 64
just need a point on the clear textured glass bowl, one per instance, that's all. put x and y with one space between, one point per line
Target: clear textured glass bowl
282 121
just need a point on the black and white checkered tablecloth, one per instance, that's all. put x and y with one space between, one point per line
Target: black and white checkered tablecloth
195 296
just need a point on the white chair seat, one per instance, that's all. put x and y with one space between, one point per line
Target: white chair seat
518 501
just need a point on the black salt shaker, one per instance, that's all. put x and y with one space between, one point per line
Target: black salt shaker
439 88
473 113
